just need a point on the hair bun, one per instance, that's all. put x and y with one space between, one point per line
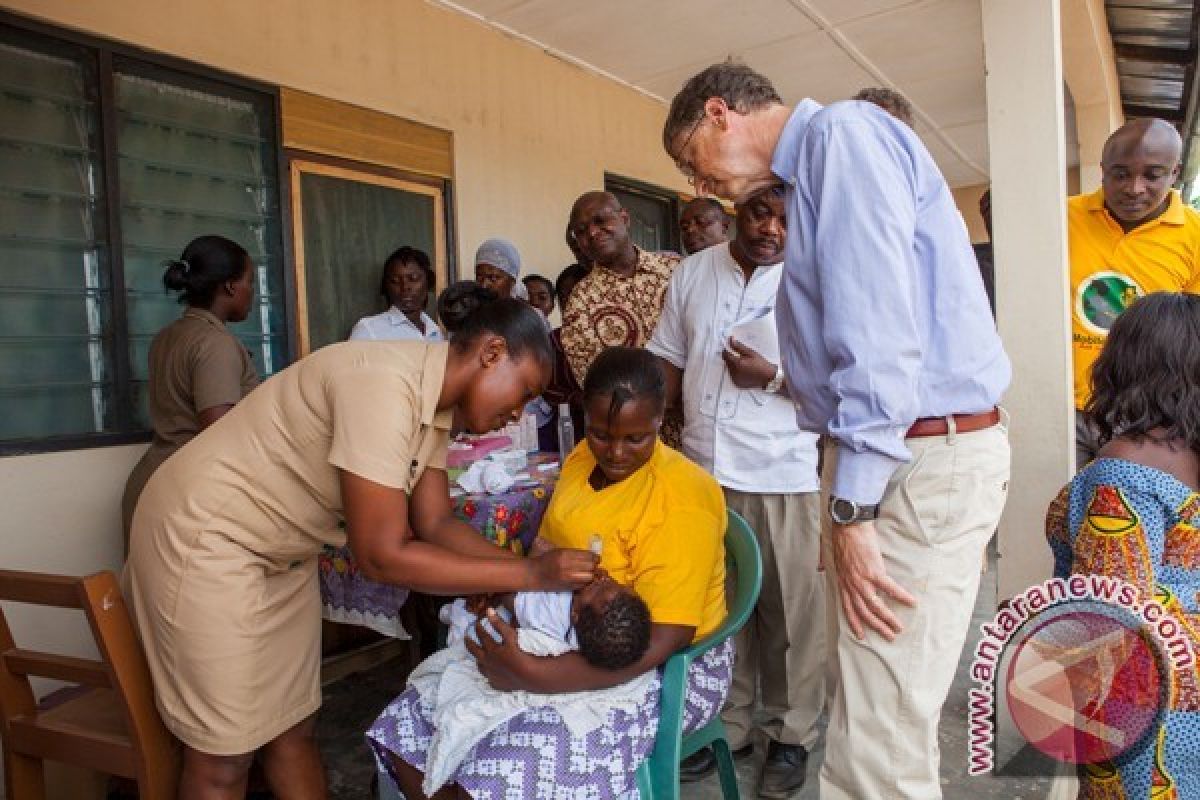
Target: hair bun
461 300
176 276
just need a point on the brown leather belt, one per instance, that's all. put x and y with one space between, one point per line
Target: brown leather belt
963 423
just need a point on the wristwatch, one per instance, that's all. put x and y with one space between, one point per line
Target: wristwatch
847 512
776 383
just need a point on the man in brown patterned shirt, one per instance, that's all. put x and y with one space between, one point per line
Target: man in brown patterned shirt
621 299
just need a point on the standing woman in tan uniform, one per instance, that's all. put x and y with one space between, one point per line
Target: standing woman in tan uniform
221 577
198 369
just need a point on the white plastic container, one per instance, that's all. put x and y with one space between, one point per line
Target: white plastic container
530 429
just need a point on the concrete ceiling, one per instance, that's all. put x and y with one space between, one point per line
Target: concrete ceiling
930 50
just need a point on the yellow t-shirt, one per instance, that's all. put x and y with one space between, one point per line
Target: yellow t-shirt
1110 269
663 530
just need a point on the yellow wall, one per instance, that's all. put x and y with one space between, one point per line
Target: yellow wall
531 133
967 200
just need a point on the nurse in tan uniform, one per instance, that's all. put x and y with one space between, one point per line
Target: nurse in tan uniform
198 369
221 578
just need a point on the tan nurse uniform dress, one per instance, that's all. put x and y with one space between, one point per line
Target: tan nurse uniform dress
222 571
196 363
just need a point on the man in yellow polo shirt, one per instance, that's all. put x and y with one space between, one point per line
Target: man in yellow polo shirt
1132 237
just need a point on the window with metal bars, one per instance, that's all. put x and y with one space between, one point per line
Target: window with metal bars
110 164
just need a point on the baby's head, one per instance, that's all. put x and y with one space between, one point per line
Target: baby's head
611 622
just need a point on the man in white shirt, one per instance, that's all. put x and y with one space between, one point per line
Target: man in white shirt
740 425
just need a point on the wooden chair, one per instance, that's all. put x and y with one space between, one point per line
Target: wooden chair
113 727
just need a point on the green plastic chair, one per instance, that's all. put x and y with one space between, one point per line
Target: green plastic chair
658 775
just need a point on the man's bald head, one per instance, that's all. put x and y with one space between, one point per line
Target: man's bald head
1144 134
600 226
595 200
1140 163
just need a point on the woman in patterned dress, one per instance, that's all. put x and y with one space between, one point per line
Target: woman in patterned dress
660 520
1134 513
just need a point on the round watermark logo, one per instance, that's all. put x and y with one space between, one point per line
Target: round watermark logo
1085 684
1081 667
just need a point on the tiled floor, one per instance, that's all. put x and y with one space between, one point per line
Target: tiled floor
352 703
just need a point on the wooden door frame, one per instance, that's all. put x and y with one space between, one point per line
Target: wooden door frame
300 163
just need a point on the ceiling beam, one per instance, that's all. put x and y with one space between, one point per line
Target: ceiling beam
1162 55
1169 114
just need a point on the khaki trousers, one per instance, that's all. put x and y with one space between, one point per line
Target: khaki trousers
937 515
782 647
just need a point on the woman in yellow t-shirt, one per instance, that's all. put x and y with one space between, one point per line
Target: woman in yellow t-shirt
661 522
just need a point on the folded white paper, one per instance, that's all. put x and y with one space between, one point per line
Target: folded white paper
758 333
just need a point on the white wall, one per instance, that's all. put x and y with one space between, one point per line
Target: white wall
62 514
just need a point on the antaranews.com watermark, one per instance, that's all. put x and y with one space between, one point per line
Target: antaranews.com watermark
1076 640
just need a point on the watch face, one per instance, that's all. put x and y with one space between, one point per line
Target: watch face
842 511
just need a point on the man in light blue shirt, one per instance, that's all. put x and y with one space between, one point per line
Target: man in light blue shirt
888 346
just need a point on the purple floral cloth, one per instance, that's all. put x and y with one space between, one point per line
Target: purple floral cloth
510 520
349 598
534 755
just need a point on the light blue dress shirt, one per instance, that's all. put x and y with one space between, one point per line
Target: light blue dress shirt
882 314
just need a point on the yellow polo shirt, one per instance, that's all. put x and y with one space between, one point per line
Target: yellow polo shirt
662 529
1111 268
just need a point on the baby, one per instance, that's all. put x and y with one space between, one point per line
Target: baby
606 622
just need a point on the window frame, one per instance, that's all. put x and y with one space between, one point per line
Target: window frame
108 57
651 191
304 162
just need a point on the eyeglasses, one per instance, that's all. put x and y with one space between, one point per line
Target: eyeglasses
601 219
687 169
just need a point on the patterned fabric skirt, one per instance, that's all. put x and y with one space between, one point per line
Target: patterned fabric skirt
534 755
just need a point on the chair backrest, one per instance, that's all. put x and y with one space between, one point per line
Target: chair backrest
744 560
658 776
122 666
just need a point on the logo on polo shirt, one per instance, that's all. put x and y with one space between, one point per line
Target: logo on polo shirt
1102 297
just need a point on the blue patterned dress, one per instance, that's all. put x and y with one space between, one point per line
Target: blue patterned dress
1140 524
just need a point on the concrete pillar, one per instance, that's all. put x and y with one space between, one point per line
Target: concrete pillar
1028 168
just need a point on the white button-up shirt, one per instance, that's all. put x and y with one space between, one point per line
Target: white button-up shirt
747 438
394 324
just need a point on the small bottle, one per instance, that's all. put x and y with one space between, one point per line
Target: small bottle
566 433
529 430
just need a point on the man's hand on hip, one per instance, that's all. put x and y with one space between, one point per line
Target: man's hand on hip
862 580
